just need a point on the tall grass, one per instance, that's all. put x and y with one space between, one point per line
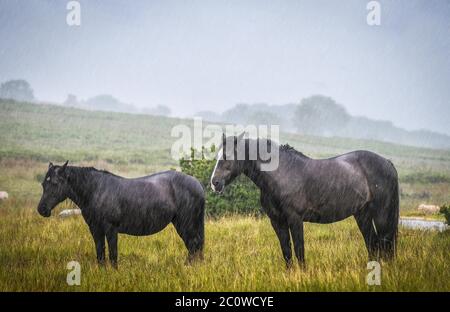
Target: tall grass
241 254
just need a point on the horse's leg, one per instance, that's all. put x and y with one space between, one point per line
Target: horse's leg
282 230
280 226
192 235
296 227
387 247
366 226
112 237
99 239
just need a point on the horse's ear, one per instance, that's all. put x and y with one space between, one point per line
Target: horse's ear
50 164
63 168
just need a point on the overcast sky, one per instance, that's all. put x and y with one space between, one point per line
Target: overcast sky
210 55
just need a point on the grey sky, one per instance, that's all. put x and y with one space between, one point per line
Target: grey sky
210 55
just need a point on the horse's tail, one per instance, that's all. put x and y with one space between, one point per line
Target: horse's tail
190 218
389 242
202 223
395 214
199 221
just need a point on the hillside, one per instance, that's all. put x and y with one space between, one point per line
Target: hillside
49 132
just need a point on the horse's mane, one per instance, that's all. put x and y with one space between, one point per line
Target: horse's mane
90 169
289 149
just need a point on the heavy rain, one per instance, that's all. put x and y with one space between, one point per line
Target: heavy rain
132 141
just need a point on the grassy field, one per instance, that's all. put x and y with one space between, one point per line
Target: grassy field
241 253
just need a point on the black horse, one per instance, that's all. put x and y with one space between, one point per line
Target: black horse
143 206
360 184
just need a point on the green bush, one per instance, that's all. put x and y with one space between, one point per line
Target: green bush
445 210
39 177
240 197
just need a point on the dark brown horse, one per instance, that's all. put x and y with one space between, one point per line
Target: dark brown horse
143 206
301 189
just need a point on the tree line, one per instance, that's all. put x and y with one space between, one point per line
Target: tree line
316 115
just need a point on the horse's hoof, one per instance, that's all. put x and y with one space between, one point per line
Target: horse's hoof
193 258
289 265
190 261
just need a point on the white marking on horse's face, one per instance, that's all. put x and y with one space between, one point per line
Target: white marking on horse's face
48 179
219 157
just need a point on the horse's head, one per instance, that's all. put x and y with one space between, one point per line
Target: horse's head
55 189
228 165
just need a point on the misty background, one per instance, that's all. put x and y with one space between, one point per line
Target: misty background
314 67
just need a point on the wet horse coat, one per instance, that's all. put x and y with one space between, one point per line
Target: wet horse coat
360 184
111 204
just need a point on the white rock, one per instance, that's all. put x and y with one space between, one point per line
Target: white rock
429 209
3 195
421 224
69 212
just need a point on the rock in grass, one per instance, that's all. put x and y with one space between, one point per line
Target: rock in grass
428 209
3 195
69 212
421 224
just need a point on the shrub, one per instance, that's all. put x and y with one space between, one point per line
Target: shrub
240 197
445 210
39 177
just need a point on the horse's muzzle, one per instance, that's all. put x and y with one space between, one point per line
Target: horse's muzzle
44 211
217 187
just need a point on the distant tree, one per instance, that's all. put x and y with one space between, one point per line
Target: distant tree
209 116
320 115
161 110
71 101
262 117
106 102
262 114
237 114
19 90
